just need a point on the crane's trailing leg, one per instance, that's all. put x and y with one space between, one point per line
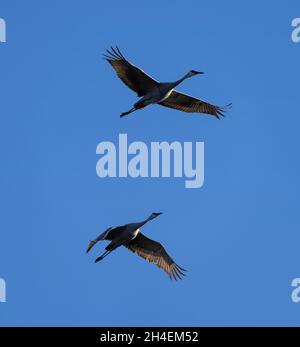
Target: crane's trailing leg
130 111
102 256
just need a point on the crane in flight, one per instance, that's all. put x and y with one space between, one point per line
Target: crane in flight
129 235
154 92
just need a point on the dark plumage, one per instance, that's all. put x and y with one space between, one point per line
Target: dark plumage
155 253
135 78
154 92
129 236
186 103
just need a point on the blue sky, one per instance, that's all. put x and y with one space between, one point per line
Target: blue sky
238 235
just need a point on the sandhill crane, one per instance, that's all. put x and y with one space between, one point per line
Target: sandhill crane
129 235
154 92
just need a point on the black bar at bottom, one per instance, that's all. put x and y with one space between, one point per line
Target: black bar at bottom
97 336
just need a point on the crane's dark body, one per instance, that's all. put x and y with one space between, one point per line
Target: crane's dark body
129 235
154 92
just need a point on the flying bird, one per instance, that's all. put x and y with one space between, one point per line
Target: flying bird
129 235
154 92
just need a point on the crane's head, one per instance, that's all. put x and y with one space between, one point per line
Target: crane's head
155 214
194 73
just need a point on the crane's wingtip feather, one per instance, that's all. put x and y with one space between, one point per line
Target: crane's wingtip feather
181 268
220 112
177 273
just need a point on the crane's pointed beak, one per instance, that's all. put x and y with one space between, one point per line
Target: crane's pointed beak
91 245
199 72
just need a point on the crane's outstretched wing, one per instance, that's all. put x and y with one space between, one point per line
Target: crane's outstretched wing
155 253
187 103
135 78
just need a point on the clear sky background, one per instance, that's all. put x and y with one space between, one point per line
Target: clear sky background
238 235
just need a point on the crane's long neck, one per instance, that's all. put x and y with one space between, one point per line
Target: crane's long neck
175 84
144 222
